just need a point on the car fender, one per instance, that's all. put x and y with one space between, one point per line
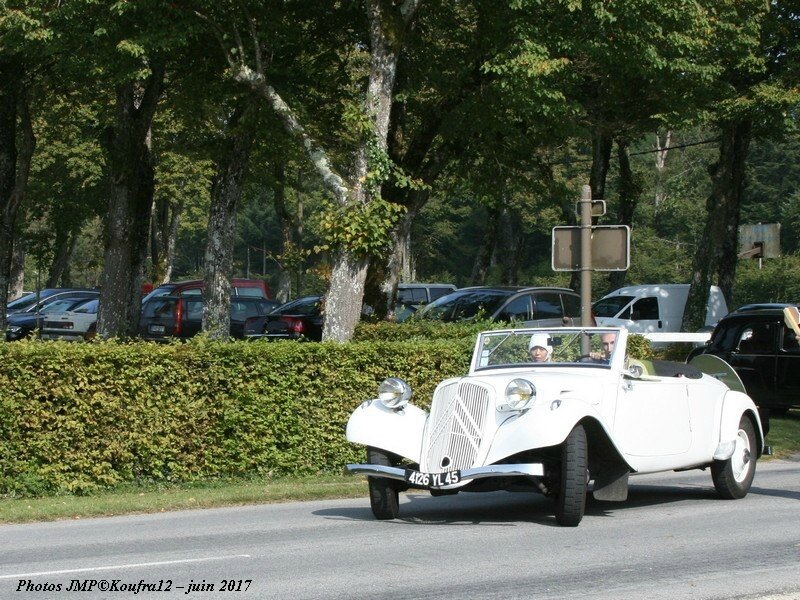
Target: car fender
395 430
542 426
734 406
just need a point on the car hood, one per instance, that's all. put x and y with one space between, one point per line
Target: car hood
585 383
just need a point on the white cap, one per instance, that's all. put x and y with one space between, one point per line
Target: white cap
542 340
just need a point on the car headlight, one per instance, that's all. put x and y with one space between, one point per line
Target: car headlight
394 393
520 393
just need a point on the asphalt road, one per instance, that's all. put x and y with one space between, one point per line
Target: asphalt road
673 539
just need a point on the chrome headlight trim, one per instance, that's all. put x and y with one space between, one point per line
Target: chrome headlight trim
520 393
394 393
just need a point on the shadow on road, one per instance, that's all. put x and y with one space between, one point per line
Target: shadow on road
508 509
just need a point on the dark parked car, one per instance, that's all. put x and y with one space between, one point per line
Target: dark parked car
167 317
22 323
763 351
297 319
529 306
31 301
413 296
194 287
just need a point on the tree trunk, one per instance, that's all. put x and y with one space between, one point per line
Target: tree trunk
64 246
484 258
387 25
172 239
511 244
399 266
130 161
16 152
17 285
225 193
601 157
629 191
716 256
661 167
291 238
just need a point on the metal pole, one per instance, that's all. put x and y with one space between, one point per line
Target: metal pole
586 265
586 256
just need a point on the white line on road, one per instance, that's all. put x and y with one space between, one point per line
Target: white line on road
131 566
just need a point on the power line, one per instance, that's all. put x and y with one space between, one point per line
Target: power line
676 147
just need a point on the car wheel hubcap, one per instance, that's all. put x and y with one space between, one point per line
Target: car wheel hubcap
740 461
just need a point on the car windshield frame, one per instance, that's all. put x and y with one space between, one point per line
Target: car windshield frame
508 348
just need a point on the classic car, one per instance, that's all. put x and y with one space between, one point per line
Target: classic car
588 414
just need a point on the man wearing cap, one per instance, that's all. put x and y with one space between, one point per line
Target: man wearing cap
539 348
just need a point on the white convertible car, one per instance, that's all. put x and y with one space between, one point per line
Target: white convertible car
585 413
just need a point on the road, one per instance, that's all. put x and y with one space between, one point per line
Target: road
673 539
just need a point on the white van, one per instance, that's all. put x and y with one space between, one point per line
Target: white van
654 308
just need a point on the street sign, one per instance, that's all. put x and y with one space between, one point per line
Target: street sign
598 207
611 248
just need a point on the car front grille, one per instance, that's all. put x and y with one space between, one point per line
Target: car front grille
455 427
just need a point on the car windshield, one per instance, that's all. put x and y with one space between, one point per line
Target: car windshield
610 307
62 305
557 347
89 307
463 305
301 306
23 302
163 290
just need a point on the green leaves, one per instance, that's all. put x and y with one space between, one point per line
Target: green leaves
358 228
80 417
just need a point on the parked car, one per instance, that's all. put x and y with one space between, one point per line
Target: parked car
76 324
168 317
21 324
33 301
552 427
530 306
763 351
413 296
194 287
299 319
655 307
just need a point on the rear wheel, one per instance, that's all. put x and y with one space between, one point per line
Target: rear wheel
383 495
571 499
733 477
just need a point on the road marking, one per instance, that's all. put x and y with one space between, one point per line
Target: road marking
130 566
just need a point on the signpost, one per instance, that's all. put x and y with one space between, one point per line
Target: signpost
588 248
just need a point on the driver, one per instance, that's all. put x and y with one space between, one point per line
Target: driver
607 341
539 347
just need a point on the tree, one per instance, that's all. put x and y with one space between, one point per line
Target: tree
756 87
359 215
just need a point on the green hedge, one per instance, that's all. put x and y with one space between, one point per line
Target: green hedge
80 417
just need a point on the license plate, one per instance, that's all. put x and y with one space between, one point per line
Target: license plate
156 329
432 480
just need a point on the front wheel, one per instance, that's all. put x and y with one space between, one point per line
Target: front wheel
383 495
733 477
571 499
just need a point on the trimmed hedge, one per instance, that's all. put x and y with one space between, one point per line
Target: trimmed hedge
80 417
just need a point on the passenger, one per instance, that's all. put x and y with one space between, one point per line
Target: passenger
607 341
539 348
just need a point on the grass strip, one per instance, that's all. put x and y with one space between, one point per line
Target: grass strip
132 500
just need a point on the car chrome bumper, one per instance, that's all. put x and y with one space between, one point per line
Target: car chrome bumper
511 470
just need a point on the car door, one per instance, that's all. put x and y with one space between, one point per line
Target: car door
752 355
547 310
517 310
787 378
652 417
